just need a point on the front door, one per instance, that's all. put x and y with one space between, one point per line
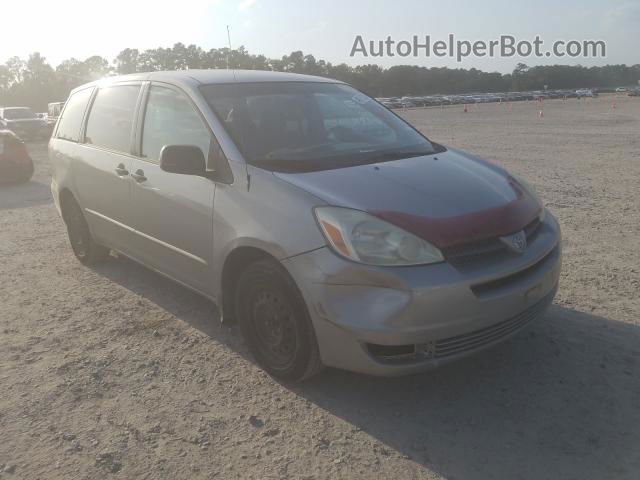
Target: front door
172 213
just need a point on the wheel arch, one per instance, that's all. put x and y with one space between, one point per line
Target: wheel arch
235 262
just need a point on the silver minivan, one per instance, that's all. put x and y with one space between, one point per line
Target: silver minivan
330 229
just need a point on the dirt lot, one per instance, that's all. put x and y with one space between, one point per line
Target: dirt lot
119 373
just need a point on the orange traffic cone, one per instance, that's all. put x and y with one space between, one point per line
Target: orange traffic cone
465 108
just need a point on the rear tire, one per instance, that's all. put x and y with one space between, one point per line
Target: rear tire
82 243
27 173
275 323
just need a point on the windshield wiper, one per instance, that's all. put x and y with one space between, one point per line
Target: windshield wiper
292 165
398 155
286 153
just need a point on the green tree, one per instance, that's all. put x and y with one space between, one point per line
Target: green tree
34 82
128 61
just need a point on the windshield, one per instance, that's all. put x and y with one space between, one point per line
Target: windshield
305 126
18 113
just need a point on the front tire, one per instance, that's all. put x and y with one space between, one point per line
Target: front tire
82 243
275 322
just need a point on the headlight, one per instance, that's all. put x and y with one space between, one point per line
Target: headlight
531 191
364 238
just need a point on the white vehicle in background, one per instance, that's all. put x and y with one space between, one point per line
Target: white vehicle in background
23 122
53 112
621 89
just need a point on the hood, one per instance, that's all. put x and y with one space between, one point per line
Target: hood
25 122
448 199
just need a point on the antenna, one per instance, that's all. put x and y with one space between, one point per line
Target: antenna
229 52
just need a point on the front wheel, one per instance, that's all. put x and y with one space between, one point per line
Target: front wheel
275 322
84 246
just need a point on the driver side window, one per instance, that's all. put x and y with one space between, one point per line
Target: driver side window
170 119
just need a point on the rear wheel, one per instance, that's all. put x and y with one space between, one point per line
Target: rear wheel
84 246
275 323
26 173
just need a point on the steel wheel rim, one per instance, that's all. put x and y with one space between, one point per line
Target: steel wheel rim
274 328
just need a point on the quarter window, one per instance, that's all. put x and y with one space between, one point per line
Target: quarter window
71 119
111 117
170 119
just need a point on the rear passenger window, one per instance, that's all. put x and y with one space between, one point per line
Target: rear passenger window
170 119
111 117
71 120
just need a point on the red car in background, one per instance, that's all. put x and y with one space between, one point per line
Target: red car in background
16 165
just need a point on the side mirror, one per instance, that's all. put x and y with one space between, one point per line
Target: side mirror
182 159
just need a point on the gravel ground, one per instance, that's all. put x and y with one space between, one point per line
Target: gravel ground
115 372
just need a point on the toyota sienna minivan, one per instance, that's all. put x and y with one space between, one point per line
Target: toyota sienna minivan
328 228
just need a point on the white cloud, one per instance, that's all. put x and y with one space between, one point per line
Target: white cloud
104 29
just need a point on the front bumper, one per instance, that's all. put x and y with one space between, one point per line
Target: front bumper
430 314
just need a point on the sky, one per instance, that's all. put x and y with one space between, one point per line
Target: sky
61 29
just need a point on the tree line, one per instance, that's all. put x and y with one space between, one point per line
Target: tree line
34 82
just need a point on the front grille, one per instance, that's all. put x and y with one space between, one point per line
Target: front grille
447 347
389 351
494 286
492 248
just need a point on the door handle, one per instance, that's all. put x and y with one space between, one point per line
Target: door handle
121 171
139 176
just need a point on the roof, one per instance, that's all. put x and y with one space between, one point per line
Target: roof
220 76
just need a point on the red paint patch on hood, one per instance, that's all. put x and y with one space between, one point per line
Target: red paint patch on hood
471 227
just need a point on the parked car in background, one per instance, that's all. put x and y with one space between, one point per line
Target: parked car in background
24 123
330 229
407 102
16 165
634 92
621 89
390 102
584 93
